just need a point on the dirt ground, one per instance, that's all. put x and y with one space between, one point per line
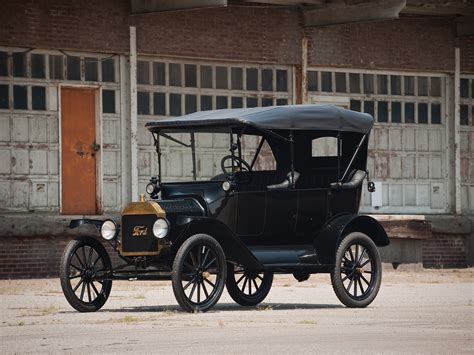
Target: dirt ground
427 311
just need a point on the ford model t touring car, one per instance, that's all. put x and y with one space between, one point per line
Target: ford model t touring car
243 225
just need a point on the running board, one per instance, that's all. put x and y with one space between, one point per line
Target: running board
285 254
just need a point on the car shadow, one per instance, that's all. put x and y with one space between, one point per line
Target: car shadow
226 307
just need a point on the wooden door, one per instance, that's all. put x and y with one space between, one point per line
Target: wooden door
78 151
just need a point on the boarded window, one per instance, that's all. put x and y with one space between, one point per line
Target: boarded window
143 103
354 82
221 78
206 76
4 97
267 79
464 88
20 101
355 105
3 64
464 115
108 70
38 66
395 85
237 102
422 86
409 85
382 111
396 112
19 65
267 102
252 102
282 80
90 68
326 81
190 76
108 101
312 80
435 113
382 84
38 98
340 82
435 87
206 102
369 107
159 73
236 78
409 112
252 79
368 83
73 68
56 67
175 74
422 113
221 102
143 72
190 104
324 147
175 105
159 104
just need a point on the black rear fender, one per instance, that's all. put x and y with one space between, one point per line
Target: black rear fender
235 250
337 228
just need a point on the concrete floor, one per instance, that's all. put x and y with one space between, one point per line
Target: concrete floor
415 312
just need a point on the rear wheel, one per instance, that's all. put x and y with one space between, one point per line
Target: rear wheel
199 273
357 274
84 264
248 288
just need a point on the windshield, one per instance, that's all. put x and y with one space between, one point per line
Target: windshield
212 157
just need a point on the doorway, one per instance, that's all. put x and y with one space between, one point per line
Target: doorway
78 151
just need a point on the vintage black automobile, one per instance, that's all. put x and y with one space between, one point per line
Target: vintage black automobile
242 226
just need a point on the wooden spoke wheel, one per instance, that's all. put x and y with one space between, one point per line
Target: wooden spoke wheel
83 269
248 288
357 274
199 273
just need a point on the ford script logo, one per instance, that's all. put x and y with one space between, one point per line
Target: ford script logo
139 231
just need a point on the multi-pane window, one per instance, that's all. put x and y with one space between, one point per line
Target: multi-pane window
179 88
46 69
466 110
390 98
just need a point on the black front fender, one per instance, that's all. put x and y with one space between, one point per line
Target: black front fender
235 250
337 228
79 222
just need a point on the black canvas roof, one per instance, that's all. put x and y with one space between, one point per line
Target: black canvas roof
298 117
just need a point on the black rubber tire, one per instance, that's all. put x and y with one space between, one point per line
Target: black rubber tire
354 269
237 293
86 283
199 242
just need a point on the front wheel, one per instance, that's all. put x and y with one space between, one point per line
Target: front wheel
199 273
357 274
248 288
83 270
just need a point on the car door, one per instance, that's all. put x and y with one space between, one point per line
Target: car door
280 216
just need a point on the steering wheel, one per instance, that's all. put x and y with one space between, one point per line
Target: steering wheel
235 163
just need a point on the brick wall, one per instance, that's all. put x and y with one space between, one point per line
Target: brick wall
445 251
409 43
244 33
35 257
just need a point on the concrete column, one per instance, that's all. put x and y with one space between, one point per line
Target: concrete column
133 115
304 70
457 129
125 130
